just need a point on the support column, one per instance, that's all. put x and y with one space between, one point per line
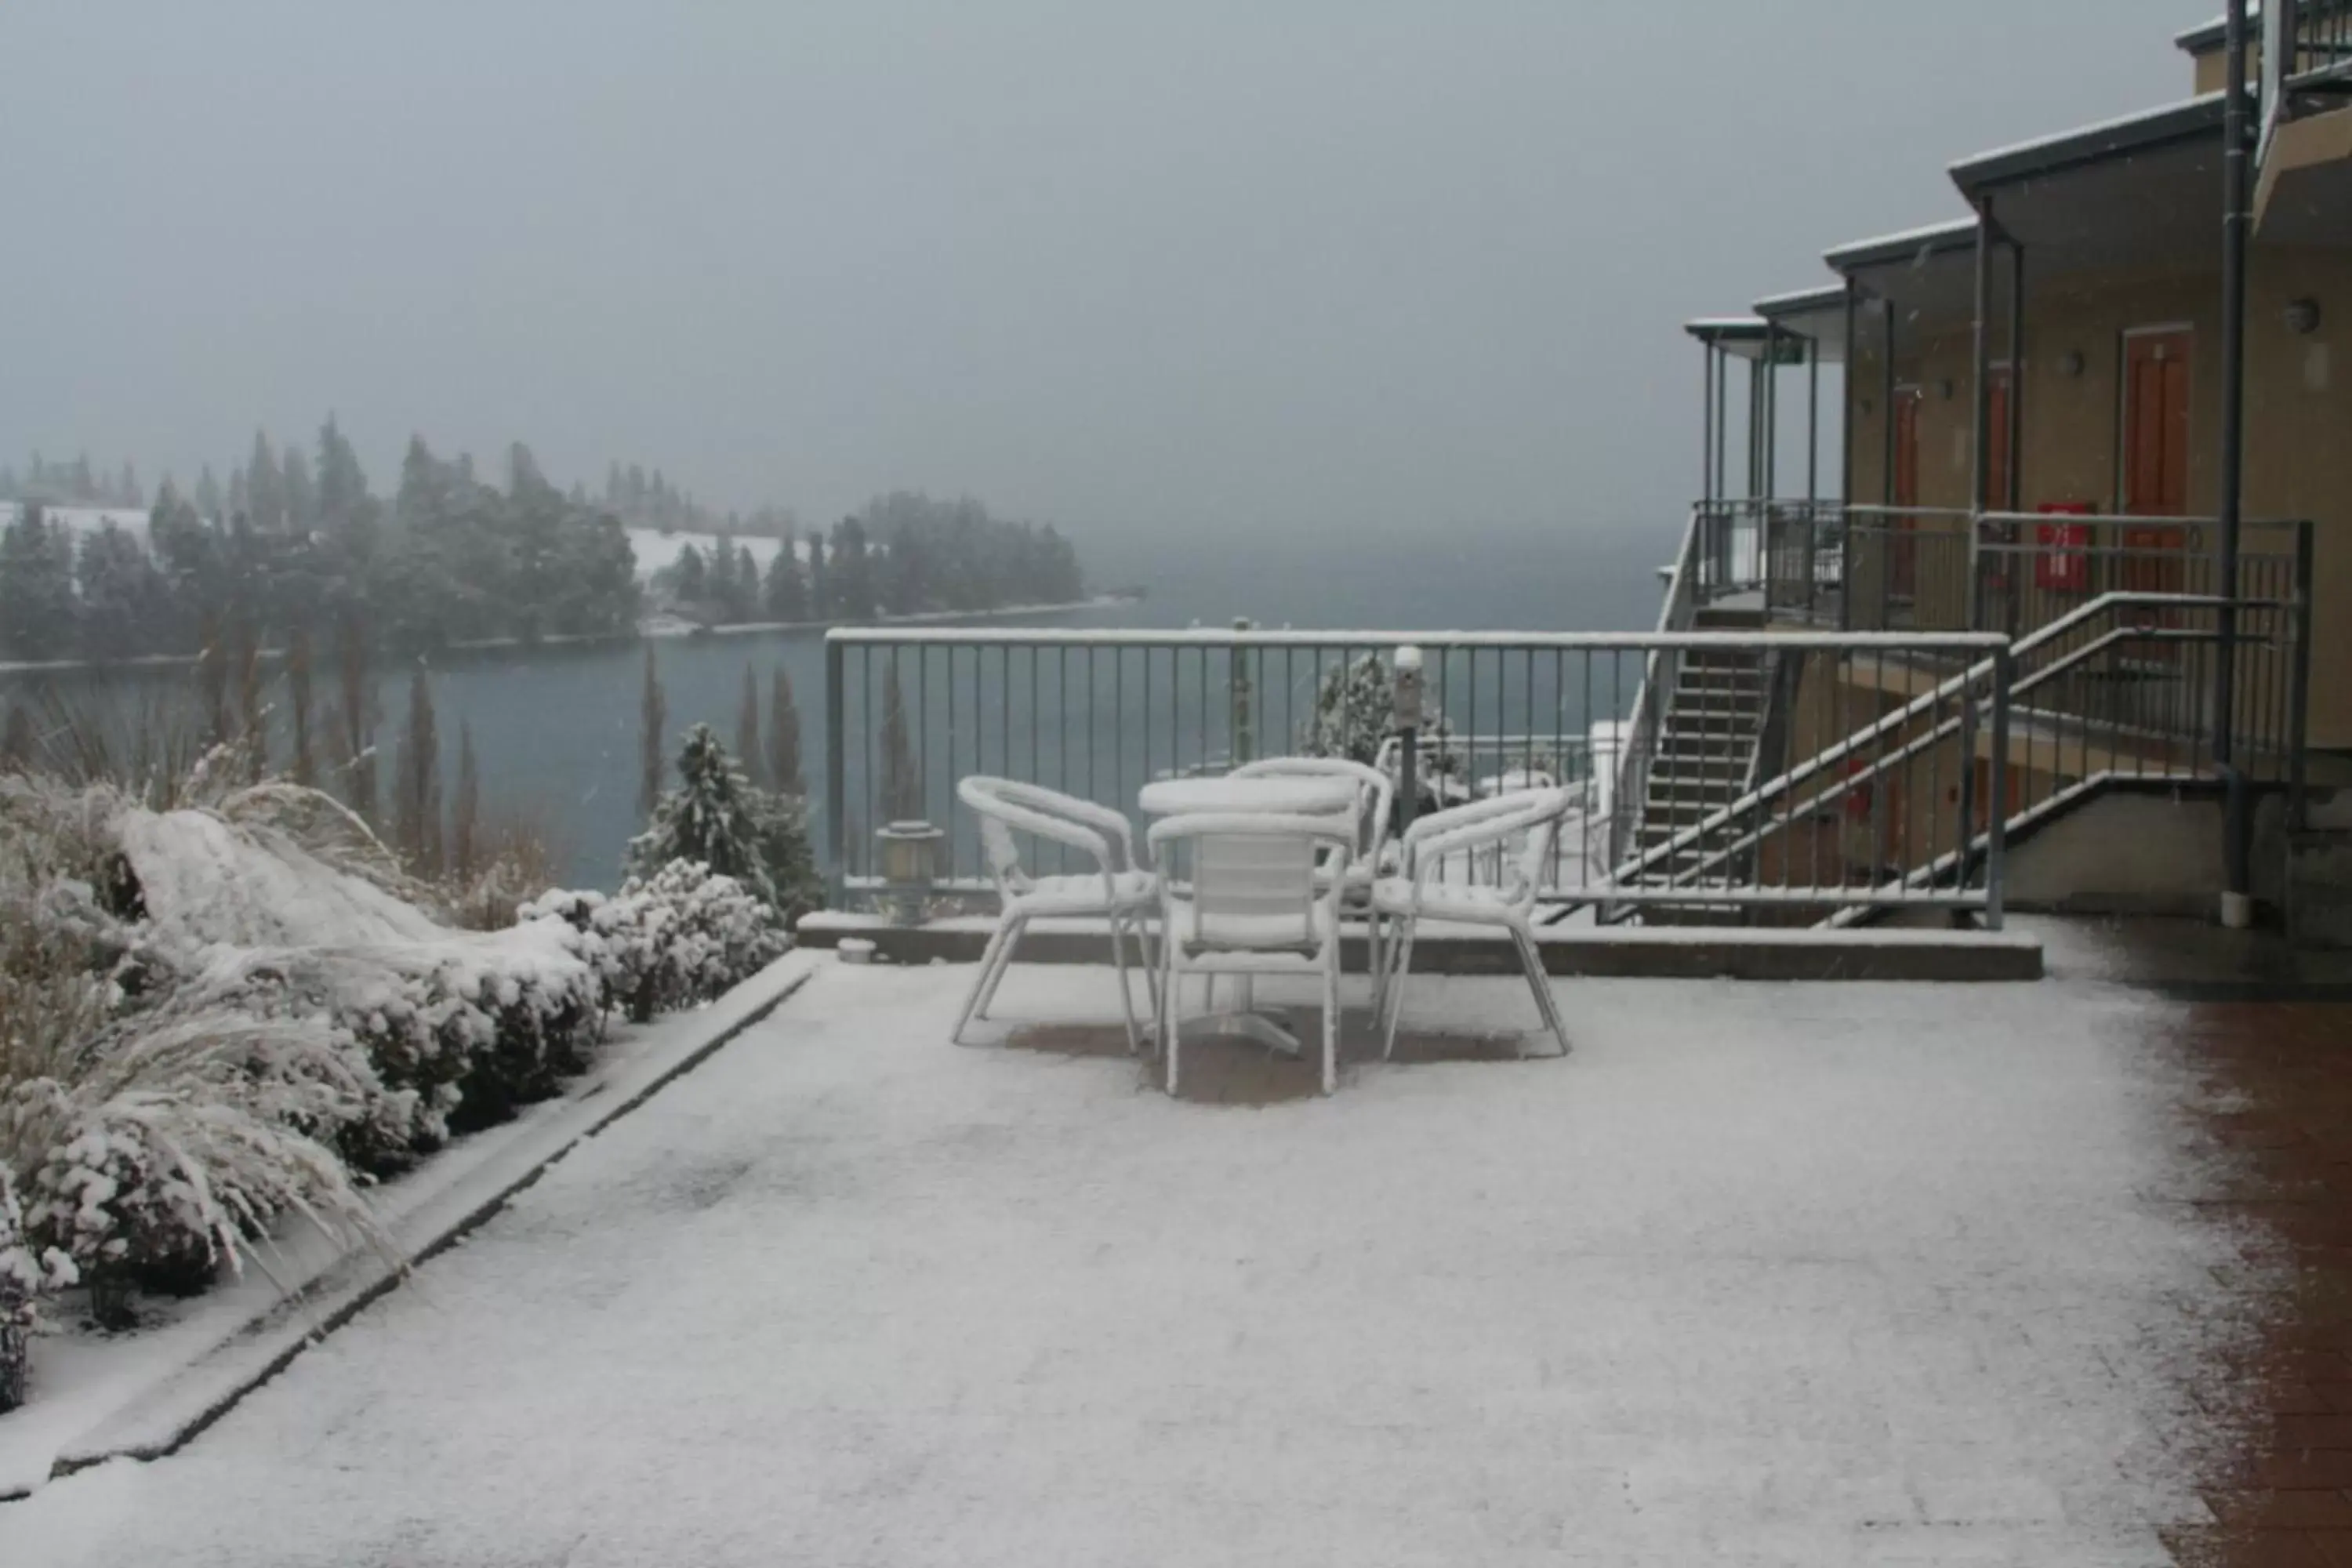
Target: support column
1812 351
1981 420
1706 428
2013 500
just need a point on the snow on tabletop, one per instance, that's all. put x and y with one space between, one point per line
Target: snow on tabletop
1858 1277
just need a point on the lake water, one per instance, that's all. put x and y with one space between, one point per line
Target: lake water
556 728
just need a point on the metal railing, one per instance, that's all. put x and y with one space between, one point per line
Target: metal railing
1099 714
2322 31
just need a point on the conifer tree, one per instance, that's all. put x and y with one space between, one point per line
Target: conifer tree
465 812
653 712
746 727
784 738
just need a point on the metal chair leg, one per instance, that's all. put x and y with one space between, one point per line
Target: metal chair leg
1126 993
972 1003
1013 930
1331 1018
1168 1009
1532 959
1396 987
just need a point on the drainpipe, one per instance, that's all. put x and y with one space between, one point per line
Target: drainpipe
2237 902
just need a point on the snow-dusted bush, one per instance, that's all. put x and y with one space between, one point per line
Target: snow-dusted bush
27 1273
680 936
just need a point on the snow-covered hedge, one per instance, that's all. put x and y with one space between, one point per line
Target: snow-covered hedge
217 1019
681 936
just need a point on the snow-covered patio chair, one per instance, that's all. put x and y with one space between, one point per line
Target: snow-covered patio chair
1253 906
1375 803
1121 888
1527 823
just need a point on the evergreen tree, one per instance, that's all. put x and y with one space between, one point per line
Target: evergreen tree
716 817
253 716
358 716
208 495
127 492
851 572
343 488
653 713
820 591
37 611
239 502
465 812
690 581
746 727
746 585
416 806
304 769
786 594
17 739
784 738
301 495
123 597
265 487
721 578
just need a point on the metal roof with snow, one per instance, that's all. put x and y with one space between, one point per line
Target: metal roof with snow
2127 136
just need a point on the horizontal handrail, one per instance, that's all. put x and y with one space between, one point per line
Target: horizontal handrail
1629 642
2133 519
1649 860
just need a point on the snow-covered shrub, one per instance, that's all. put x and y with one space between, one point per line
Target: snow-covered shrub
718 817
183 1135
680 936
27 1273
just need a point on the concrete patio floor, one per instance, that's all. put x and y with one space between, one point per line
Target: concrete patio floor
1771 1274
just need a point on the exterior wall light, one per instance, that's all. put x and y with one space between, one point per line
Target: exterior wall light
2303 317
1947 388
2073 364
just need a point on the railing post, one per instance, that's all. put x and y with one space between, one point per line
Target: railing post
1964 834
2299 679
836 776
2004 672
1239 718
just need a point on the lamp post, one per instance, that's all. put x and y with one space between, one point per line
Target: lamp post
1406 718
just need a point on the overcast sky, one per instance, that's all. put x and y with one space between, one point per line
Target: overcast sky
1288 263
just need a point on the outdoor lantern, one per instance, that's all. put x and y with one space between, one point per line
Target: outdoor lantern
1408 688
2303 317
2072 364
908 852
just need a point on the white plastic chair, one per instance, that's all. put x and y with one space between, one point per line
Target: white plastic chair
1533 817
1375 804
1253 907
1121 888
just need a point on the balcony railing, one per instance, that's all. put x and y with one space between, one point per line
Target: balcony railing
1099 714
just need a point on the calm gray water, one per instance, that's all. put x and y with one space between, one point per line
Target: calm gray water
556 729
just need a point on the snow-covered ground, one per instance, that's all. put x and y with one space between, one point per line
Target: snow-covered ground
1803 1275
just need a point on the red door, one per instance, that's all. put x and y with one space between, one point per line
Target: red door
1904 581
2156 465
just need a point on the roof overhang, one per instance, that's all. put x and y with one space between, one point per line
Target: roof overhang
2140 191
1817 315
1739 336
1928 275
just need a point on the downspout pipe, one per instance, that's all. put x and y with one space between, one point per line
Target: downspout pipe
2237 902
1980 422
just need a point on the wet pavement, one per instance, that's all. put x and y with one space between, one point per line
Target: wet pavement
2266 1040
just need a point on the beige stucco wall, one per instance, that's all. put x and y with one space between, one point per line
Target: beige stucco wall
2298 454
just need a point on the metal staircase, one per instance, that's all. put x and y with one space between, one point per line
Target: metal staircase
1703 759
